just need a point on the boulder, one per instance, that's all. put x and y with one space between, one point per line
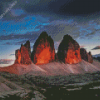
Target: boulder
69 50
43 49
22 55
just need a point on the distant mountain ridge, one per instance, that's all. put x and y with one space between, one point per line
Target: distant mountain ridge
44 51
97 55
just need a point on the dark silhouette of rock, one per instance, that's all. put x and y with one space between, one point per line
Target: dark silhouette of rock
90 58
86 56
23 55
56 57
43 49
69 50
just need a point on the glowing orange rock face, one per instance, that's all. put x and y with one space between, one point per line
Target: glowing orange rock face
18 56
22 56
73 56
69 50
43 56
43 50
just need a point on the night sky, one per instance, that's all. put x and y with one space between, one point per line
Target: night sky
22 20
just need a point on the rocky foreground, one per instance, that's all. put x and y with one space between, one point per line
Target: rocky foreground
29 86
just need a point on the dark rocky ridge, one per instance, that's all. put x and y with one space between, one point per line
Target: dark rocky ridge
86 56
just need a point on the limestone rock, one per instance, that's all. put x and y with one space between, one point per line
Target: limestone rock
22 55
27 45
43 49
90 58
86 56
69 50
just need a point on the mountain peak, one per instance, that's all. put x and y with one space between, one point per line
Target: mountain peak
86 56
23 55
43 51
69 50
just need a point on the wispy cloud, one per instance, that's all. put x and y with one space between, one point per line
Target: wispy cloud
6 61
82 46
8 9
12 55
29 36
95 48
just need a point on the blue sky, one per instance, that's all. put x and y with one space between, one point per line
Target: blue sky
26 19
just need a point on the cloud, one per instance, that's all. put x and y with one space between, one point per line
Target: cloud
10 16
1 8
6 61
53 7
27 24
8 43
95 48
17 12
12 55
8 9
29 36
77 7
64 7
43 6
18 39
89 35
56 44
6 1
58 29
82 46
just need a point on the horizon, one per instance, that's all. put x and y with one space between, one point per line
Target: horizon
23 20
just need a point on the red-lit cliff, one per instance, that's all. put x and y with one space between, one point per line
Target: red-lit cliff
43 49
23 54
69 50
